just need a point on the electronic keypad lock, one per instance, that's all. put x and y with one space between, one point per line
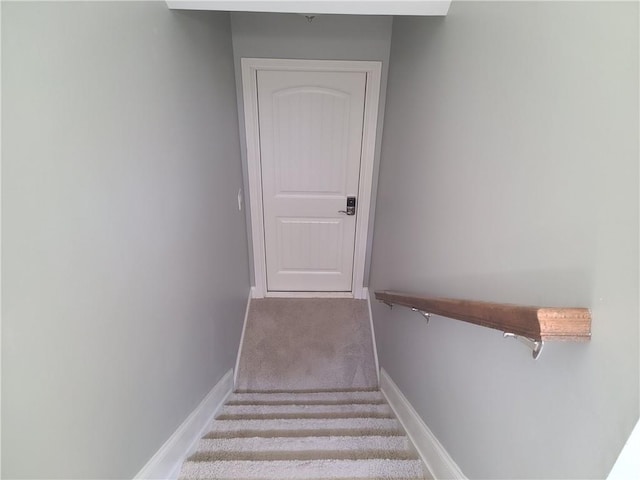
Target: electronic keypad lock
351 206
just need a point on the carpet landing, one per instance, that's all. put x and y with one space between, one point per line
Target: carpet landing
307 404
293 344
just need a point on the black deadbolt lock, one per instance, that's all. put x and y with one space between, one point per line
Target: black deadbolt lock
351 205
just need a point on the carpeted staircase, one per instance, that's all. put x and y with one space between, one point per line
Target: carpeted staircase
348 432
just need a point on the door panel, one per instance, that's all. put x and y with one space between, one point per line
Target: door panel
309 244
308 122
310 141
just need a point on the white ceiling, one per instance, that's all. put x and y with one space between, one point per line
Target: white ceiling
349 7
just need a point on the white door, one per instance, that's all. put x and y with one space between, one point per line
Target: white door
310 127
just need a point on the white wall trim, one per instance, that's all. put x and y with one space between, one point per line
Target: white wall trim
309 294
431 451
250 100
346 7
627 466
373 70
372 97
1 290
373 334
167 461
244 329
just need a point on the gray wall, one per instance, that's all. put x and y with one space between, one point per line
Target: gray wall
328 37
124 266
509 173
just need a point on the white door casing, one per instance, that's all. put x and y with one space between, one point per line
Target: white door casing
314 114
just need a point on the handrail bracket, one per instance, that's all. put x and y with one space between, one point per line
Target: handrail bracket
426 315
535 345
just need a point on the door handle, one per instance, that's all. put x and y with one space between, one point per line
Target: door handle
351 207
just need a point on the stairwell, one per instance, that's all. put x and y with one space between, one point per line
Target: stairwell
307 403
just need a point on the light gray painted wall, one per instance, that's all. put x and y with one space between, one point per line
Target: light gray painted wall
124 253
328 37
509 173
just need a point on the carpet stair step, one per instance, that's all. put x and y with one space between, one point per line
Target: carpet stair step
303 427
304 469
304 448
305 436
314 398
245 412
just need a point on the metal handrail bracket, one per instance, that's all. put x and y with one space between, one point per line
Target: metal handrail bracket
535 345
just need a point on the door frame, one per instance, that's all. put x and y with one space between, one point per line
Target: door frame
250 68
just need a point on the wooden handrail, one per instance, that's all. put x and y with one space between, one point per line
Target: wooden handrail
536 323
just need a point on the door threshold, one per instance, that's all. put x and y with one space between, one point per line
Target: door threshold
309 294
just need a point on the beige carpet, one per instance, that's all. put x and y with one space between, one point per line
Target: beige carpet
307 344
310 436
307 404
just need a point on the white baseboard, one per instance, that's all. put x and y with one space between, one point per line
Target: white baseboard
308 295
440 464
373 333
252 293
167 461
